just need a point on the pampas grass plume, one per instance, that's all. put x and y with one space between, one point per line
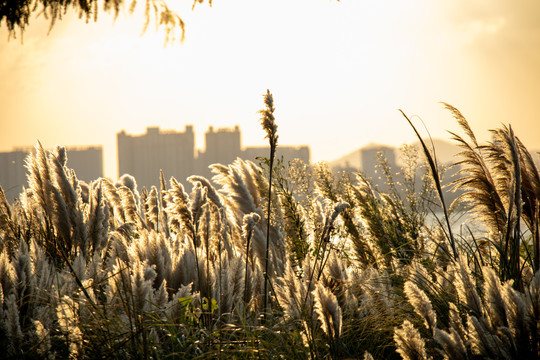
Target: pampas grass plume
410 344
268 120
421 304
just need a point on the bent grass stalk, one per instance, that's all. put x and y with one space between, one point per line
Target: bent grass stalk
437 180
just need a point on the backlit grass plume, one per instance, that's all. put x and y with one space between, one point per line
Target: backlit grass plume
268 122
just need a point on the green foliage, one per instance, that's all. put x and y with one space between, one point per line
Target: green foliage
292 186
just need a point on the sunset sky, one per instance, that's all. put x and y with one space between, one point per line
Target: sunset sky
339 72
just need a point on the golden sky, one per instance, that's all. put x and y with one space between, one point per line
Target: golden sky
338 72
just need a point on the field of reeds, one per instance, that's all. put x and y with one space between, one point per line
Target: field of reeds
275 261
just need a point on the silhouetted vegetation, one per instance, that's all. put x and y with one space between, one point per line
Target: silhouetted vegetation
17 14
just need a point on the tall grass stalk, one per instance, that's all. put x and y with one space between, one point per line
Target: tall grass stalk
269 125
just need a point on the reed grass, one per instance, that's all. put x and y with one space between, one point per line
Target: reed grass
338 268
269 126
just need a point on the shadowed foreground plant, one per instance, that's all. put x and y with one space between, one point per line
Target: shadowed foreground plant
17 14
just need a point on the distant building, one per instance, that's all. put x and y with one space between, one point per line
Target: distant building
86 161
221 147
174 152
288 153
13 172
143 156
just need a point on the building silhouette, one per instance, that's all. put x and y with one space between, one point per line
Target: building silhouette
143 156
13 172
221 147
86 161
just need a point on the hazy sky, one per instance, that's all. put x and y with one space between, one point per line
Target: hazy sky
338 72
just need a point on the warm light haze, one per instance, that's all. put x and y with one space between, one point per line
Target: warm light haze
339 72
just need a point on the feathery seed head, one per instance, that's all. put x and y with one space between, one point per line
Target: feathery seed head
249 223
251 219
461 121
410 344
61 155
451 343
466 288
268 120
328 311
129 204
421 304
128 181
338 209
329 223
152 206
179 207
212 194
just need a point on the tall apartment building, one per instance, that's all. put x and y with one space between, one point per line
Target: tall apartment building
221 147
174 152
13 172
143 156
86 161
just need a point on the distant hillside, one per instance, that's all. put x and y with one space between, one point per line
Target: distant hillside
445 151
